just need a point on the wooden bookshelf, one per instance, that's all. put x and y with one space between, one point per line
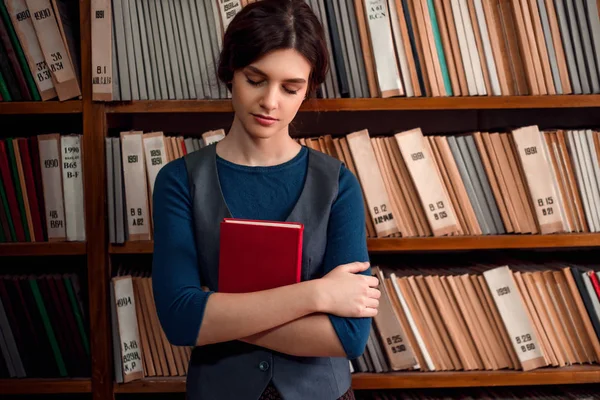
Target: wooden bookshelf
415 380
30 386
370 104
43 249
395 245
96 125
39 107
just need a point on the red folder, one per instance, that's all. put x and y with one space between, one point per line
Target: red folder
259 255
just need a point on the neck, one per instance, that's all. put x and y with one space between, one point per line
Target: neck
242 148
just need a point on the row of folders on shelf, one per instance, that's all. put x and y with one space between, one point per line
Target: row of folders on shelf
524 181
43 327
39 50
41 188
521 315
378 48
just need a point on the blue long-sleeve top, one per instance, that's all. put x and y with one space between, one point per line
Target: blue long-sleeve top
267 193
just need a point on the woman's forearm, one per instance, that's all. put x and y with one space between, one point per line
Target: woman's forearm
310 336
230 316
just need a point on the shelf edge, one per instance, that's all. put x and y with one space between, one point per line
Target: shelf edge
415 380
370 104
45 386
43 249
455 243
41 107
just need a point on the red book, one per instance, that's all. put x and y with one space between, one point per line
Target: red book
595 283
259 255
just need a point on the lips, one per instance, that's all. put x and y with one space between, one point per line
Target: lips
265 117
264 120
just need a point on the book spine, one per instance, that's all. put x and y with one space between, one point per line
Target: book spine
101 17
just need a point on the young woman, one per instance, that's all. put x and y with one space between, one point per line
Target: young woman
291 342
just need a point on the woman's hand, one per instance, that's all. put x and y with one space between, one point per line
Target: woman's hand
346 293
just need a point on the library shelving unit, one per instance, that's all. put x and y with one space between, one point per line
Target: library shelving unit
382 116
97 120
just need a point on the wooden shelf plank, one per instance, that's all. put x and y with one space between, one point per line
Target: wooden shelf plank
41 107
368 104
415 380
43 249
392 245
140 247
45 386
492 242
169 106
152 385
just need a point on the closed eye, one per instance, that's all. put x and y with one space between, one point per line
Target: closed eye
254 83
258 83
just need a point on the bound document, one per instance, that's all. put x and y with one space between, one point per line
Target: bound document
259 255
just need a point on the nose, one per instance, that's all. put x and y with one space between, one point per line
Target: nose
269 99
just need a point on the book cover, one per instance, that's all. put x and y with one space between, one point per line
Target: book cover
259 255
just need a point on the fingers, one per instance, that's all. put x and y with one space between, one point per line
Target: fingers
369 312
373 293
356 267
371 303
372 281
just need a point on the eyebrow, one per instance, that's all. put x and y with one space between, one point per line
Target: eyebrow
292 80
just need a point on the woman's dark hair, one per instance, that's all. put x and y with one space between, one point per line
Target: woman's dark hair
268 25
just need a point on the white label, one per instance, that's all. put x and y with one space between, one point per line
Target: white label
513 313
51 40
228 10
51 180
537 169
101 46
72 175
213 137
156 157
21 19
128 326
378 18
135 184
371 180
426 179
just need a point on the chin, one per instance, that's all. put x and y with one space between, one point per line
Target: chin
261 133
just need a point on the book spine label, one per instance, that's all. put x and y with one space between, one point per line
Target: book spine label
72 175
131 352
512 310
101 50
136 196
21 19
155 152
50 162
228 10
378 22
393 338
50 38
429 185
537 169
371 180
211 137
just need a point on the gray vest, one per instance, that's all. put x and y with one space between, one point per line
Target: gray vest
236 370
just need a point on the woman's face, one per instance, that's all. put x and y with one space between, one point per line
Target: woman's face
267 93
